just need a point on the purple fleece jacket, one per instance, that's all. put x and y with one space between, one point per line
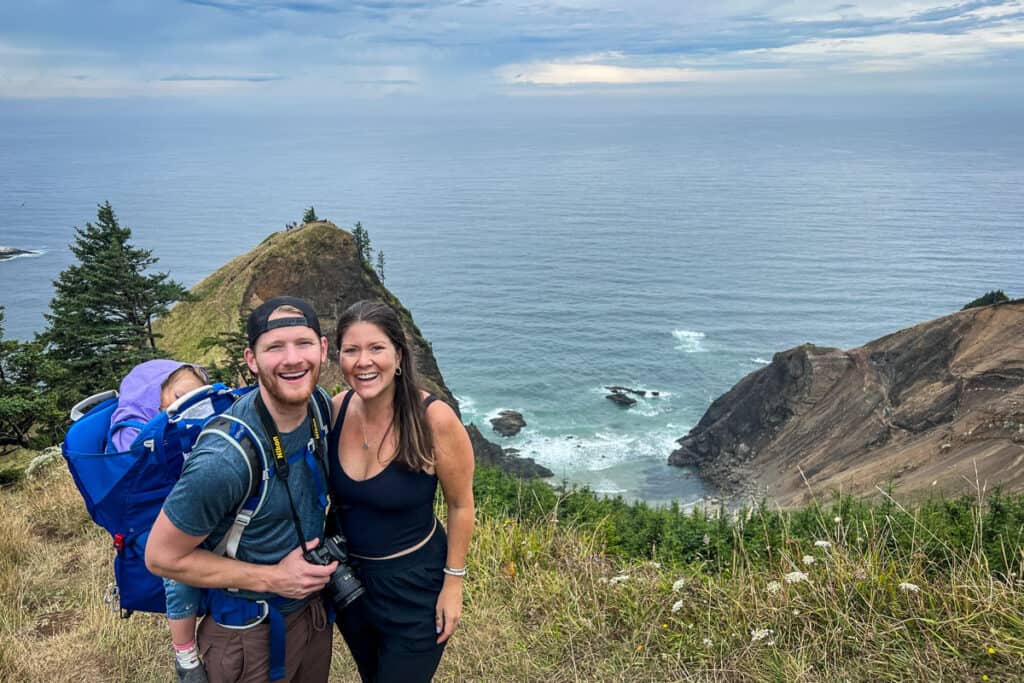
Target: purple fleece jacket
139 398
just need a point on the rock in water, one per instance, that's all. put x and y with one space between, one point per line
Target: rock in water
626 390
620 399
11 252
488 453
508 422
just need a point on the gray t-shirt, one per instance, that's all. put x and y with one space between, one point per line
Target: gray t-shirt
215 480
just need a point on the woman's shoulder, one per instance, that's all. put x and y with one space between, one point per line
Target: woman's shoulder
440 415
339 398
337 402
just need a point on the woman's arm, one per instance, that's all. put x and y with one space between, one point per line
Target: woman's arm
454 468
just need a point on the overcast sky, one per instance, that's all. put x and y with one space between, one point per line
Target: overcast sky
456 49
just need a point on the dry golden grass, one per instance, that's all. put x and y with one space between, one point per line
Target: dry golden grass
545 604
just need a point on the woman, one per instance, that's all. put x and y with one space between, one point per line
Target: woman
390 445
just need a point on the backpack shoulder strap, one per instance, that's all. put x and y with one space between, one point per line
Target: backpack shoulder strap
322 412
322 401
241 437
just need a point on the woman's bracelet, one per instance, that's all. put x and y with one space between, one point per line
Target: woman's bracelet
455 572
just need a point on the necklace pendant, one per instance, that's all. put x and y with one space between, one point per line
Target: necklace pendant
366 446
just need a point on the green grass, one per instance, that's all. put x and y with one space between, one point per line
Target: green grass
567 587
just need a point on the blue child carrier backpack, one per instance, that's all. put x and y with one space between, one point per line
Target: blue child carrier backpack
124 491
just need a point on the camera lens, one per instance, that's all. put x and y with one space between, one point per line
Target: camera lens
344 587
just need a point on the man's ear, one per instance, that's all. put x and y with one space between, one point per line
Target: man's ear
323 350
250 360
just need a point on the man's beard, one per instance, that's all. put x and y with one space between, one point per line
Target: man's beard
272 385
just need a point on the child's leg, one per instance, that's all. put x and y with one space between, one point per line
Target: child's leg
183 631
182 607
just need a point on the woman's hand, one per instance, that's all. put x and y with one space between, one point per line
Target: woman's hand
448 611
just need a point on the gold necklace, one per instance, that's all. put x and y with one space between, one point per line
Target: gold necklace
366 442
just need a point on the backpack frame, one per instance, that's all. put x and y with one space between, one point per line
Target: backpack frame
124 491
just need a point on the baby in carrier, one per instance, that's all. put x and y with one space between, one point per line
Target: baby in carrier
145 391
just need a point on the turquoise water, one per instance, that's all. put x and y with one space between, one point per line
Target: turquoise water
547 258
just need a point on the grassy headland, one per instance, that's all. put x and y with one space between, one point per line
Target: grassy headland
567 587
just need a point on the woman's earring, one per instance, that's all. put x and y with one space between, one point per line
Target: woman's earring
398 371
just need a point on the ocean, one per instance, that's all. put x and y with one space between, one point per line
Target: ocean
546 258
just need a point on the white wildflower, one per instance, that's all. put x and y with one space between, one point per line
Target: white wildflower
907 587
759 634
795 577
774 587
678 585
822 544
796 613
676 606
837 519
808 560
619 579
707 642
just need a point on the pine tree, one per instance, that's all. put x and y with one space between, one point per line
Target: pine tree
309 216
25 407
100 322
362 238
996 296
235 371
380 265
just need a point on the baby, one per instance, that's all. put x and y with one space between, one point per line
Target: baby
149 388
145 391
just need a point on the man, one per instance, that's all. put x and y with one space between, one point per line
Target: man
269 580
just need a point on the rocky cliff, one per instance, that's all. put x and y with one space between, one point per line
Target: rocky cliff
318 262
936 406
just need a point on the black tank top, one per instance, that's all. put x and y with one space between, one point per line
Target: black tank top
387 513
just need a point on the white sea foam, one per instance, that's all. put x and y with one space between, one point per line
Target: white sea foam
651 407
467 406
760 361
568 453
602 389
607 487
690 341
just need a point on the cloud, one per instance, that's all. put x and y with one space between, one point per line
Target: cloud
911 38
472 47
267 6
570 74
242 79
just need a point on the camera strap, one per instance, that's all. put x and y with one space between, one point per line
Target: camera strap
280 458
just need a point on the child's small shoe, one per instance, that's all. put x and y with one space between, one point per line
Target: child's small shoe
193 675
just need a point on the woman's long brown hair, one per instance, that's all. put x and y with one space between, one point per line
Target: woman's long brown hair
409 417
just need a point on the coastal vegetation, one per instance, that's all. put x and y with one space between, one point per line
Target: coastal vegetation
568 587
996 296
99 325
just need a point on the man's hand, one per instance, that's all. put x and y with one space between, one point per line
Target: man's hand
296 578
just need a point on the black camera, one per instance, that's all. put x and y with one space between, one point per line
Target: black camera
343 587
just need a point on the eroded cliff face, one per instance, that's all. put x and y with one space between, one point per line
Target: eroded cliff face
939 405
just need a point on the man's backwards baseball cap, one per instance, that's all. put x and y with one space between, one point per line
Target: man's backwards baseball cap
258 322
